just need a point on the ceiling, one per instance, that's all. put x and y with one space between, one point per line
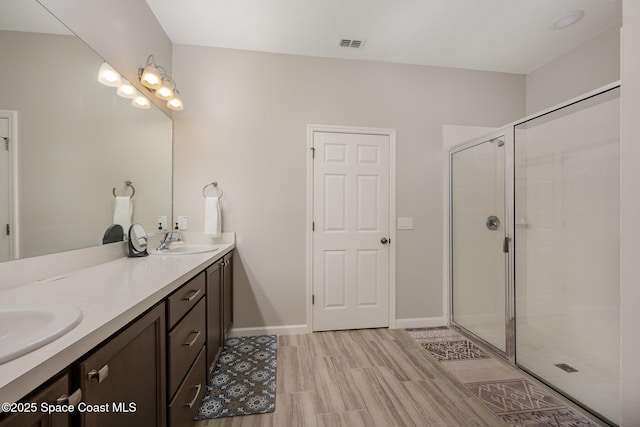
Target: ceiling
495 35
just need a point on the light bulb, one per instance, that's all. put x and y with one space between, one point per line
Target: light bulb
126 90
151 77
108 76
140 101
176 103
165 91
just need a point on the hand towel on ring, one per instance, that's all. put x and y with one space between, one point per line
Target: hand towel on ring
212 216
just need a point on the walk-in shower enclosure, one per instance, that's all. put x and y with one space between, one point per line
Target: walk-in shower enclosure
534 246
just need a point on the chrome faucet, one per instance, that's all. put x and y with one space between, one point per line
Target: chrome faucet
171 236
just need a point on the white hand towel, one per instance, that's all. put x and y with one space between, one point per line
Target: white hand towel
212 216
123 209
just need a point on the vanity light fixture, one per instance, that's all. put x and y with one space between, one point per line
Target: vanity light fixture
176 103
126 89
108 76
156 79
141 101
150 76
165 91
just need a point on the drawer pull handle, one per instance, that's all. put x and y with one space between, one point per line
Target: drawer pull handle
101 374
198 388
195 338
194 294
73 400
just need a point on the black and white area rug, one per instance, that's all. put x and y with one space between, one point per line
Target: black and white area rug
244 379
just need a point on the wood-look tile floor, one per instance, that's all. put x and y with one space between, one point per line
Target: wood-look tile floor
363 378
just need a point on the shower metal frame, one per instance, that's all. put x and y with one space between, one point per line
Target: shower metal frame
507 133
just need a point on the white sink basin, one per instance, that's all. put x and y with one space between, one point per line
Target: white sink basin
179 248
25 328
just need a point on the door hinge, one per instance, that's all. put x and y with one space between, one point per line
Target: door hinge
313 226
8 230
6 143
313 299
313 153
505 245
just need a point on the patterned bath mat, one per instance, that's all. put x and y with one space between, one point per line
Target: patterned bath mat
454 350
244 379
517 402
521 403
446 344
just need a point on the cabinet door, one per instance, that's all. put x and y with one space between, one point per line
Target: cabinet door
51 394
123 382
227 295
214 309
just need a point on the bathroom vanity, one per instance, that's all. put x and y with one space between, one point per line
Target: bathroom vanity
152 330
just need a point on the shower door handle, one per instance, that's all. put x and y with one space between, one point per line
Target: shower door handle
505 245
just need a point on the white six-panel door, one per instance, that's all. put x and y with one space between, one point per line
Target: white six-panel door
351 194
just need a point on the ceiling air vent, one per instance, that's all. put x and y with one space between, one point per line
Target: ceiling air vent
356 44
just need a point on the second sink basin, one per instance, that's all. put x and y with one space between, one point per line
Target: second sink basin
25 328
180 248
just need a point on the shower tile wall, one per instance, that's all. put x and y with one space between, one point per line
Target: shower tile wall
567 252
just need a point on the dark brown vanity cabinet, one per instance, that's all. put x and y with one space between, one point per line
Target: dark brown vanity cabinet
123 381
219 306
187 375
29 411
227 294
214 310
152 372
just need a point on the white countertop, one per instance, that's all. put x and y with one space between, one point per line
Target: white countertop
110 295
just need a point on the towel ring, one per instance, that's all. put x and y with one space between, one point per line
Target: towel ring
214 184
128 183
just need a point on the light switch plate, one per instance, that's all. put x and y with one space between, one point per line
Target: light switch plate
405 223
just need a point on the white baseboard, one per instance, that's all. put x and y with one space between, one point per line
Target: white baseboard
270 330
420 322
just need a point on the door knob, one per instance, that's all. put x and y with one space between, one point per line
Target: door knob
384 240
493 223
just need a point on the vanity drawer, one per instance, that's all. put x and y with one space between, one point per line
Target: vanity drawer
181 301
185 342
185 404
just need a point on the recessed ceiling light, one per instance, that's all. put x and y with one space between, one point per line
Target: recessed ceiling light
568 20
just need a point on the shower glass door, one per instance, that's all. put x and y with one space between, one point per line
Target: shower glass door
479 226
567 243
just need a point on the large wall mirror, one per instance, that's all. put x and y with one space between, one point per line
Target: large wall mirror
71 141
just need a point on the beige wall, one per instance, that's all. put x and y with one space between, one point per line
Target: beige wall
630 212
591 65
245 126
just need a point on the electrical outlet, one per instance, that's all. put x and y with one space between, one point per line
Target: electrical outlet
162 223
182 222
